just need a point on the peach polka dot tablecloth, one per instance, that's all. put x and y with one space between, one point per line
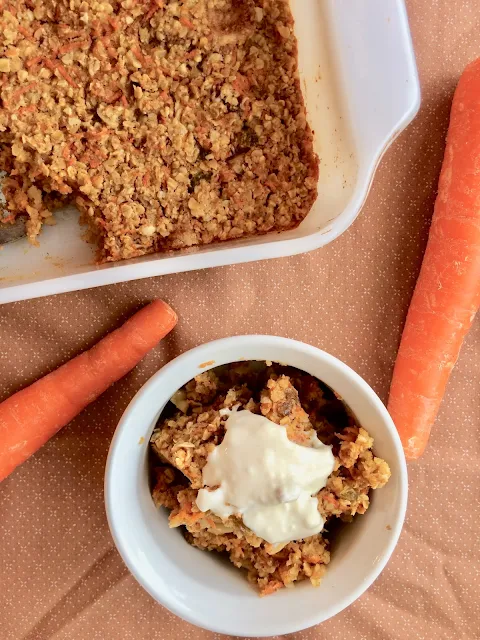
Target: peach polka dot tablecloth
60 575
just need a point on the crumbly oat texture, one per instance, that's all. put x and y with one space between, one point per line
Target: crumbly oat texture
169 123
182 442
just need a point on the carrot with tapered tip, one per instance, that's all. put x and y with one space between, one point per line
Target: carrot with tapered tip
447 294
33 415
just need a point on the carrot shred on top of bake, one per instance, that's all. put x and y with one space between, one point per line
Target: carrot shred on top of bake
203 97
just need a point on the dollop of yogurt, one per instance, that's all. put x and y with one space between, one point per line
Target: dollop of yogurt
268 480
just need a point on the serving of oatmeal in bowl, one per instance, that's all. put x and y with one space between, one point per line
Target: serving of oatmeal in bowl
256 466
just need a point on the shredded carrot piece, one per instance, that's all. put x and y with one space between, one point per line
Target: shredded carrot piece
114 24
50 64
57 66
150 13
154 7
62 187
97 28
71 33
138 54
66 155
116 96
19 92
98 134
98 152
80 44
187 23
63 72
241 84
26 33
95 163
30 109
192 54
108 47
124 101
271 588
13 10
328 497
146 179
33 61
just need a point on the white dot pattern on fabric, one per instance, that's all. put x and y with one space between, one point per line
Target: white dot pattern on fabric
60 576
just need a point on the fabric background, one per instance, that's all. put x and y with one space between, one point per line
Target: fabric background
60 575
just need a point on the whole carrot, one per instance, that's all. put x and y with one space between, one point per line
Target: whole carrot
447 294
34 414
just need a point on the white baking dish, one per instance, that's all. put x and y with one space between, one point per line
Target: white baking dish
361 88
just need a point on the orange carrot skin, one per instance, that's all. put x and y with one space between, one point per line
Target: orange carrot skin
447 294
33 415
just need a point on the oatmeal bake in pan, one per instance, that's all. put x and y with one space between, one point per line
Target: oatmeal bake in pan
169 123
182 442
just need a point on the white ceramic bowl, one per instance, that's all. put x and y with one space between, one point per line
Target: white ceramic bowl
198 586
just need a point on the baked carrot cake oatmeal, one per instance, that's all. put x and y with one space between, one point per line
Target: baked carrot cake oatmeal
169 123
263 410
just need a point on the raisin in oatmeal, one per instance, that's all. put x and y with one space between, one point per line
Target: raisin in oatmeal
183 441
169 123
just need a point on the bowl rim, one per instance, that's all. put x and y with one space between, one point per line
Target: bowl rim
198 354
